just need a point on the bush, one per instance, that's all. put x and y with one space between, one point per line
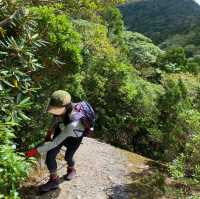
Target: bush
11 175
173 60
141 50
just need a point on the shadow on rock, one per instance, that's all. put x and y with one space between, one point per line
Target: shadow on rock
151 183
32 192
119 192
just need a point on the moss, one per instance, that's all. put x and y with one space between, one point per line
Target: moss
139 163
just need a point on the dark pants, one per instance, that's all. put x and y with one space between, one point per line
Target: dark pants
72 144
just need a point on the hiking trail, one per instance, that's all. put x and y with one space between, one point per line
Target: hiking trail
103 171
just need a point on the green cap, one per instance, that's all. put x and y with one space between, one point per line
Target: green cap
58 101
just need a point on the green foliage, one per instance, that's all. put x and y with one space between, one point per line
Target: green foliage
171 123
109 84
63 41
180 126
95 42
141 50
187 164
11 175
114 22
194 64
165 20
88 9
173 60
19 62
177 167
175 133
188 40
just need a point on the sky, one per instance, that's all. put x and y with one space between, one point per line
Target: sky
198 1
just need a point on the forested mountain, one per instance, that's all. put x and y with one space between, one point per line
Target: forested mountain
161 19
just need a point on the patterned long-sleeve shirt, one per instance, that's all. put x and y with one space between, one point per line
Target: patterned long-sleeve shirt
73 129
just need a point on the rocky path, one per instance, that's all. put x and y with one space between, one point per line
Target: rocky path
103 171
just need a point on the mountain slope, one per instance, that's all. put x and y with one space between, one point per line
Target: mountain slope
159 19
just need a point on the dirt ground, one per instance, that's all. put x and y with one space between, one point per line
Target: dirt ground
106 172
102 172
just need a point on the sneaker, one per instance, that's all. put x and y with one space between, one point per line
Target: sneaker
50 185
71 173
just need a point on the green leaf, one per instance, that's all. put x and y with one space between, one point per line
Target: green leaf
23 116
7 83
3 53
1 87
25 101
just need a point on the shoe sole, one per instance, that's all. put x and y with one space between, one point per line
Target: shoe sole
68 179
44 191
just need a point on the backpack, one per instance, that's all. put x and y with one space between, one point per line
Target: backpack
87 112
